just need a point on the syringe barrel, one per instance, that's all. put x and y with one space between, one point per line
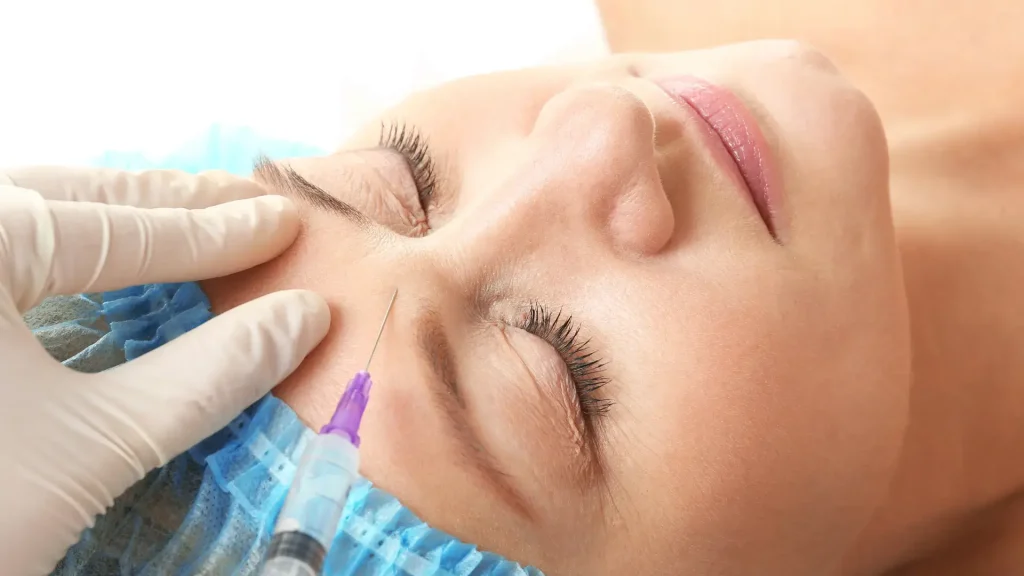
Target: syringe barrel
328 469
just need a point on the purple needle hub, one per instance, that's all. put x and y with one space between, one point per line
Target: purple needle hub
349 412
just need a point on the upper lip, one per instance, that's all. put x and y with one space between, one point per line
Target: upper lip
729 120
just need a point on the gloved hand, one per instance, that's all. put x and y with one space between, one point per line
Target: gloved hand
71 442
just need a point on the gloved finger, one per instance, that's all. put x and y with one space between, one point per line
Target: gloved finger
146 189
72 247
180 393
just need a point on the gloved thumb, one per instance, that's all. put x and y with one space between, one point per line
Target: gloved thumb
180 393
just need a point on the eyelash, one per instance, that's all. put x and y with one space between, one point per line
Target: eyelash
407 141
585 368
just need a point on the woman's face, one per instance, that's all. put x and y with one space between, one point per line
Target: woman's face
614 347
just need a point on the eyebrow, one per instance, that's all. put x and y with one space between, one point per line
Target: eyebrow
287 180
434 344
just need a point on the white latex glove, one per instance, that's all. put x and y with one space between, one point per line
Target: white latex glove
71 442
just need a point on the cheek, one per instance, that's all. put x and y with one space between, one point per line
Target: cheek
771 422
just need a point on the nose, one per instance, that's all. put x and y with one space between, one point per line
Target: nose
588 168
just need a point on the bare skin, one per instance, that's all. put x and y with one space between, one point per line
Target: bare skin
947 83
763 416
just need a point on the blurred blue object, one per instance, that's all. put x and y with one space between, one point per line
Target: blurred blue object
229 148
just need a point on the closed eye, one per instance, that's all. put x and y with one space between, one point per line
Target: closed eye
585 366
409 142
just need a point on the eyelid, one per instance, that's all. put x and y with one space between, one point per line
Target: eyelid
584 364
406 205
546 402
550 377
376 182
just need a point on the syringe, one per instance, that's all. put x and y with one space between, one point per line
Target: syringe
328 469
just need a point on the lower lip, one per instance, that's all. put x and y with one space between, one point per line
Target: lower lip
736 128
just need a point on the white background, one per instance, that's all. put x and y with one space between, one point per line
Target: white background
78 78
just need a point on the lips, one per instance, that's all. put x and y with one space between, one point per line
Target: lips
738 132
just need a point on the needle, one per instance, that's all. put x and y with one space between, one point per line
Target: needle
381 331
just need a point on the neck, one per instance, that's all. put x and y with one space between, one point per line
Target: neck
961 250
